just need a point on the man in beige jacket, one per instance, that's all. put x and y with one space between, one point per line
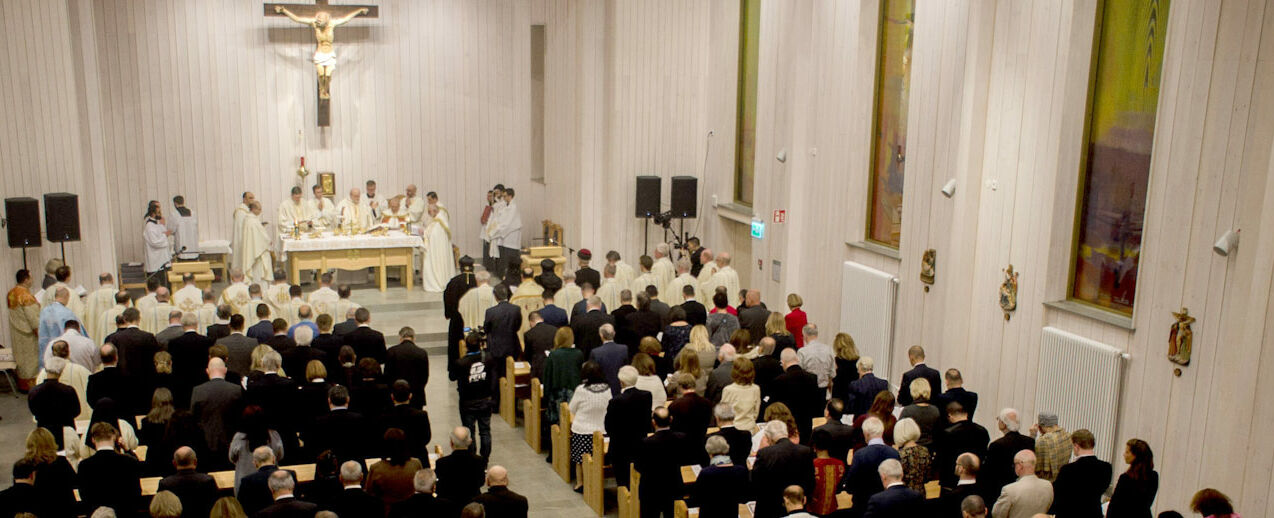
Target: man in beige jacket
1028 496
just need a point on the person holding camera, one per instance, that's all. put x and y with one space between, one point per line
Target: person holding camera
476 385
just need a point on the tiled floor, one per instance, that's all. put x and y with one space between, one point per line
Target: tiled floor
391 310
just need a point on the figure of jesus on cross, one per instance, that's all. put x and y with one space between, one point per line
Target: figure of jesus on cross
324 25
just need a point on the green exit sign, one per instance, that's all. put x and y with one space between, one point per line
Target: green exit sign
758 229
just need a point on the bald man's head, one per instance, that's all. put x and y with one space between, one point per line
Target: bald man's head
184 458
497 476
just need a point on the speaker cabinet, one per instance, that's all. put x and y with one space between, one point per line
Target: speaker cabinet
685 196
648 196
23 215
62 216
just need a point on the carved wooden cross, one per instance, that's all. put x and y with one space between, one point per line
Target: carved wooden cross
324 57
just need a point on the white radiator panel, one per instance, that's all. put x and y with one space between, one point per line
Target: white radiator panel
1079 380
868 302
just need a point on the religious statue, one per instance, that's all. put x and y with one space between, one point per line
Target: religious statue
324 32
1180 338
927 265
1008 292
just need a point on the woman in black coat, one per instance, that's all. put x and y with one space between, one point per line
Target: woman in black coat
1136 489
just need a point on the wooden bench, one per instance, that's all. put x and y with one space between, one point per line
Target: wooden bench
201 269
680 510
629 505
509 388
532 415
560 440
594 470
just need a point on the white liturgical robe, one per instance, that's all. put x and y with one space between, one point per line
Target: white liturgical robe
323 211
185 230
474 305
439 262
106 323
276 296
256 249
639 284
95 304
237 296
674 290
355 213
292 214
624 275
726 277
392 219
416 213
705 278
158 252
188 299
664 271
237 261
568 296
609 292
323 302
145 303
508 231
155 319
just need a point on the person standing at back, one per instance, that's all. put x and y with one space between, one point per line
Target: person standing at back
916 355
1079 487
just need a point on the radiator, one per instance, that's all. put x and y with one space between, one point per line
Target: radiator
1079 380
868 302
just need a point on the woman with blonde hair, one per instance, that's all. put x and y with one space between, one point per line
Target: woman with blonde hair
743 395
925 415
258 353
651 346
688 363
164 429
846 365
702 346
54 476
776 328
227 507
796 319
648 379
916 461
561 372
165 504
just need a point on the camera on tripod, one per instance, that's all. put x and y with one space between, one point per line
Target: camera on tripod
664 219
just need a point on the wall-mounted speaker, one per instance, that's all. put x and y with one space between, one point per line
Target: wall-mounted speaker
685 196
648 196
23 221
62 216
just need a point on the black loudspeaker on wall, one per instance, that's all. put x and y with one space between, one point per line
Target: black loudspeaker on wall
648 196
685 196
62 216
23 221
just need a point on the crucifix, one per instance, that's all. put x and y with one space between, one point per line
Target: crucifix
324 18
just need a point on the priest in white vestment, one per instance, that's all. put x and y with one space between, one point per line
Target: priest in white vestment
624 273
74 303
707 271
155 235
570 294
185 230
236 295
663 268
432 200
674 289
293 314
322 209
725 277
415 207
106 320
646 278
241 212
277 295
148 300
475 303
344 305
255 247
189 297
353 213
97 302
374 204
293 213
394 216
528 297
323 300
207 312
439 264
609 292
155 319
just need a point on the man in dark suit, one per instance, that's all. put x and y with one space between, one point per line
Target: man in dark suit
862 479
916 355
190 358
956 392
586 291
21 497
627 422
767 367
273 392
502 322
108 382
645 322
585 275
216 405
623 328
460 474
962 436
253 491
197 491
137 350
413 421
328 343
720 378
691 413
753 315
499 501
740 441
777 466
423 502
264 328
109 478
367 342
840 434
553 315
799 391
1079 486
659 307
280 340
346 433
659 460
862 391
408 361
54 404
967 471
297 359
352 500
348 325
696 313
610 356
586 326
282 484
538 341
998 471
221 327
896 500
238 347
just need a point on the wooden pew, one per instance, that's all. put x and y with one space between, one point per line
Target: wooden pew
680 510
560 437
531 415
514 372
629 505
595 474
819 421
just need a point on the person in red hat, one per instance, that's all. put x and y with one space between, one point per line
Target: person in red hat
585 274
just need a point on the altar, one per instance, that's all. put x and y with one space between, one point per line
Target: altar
330 251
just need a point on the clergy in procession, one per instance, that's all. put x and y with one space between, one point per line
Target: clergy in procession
54 316
707 271
663 268
293 212
106 320
185 230
324 299
570 294
684 278
321 209
374 204
236 294
352 211
438 264
155 234
528 297
647 278
207 311
98 302
343 304
624 273
394 216
241 212
724 277
189 297
277 296
456 289
155 319
24 329
475 303
295 301
255 246
432 200
63 277
609 291
415 207
148 300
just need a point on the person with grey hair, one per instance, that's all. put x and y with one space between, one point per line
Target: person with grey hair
423 502
190 358
610 356
862 478
627 422
779 465
740 441
295 359
460 475
862 391
587 325
1028 496
54 405
353 500
973 506
282 484
896 499
717 490
719 378
817 357
998 466
252 488
175 327
408 361
799 390
103 512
